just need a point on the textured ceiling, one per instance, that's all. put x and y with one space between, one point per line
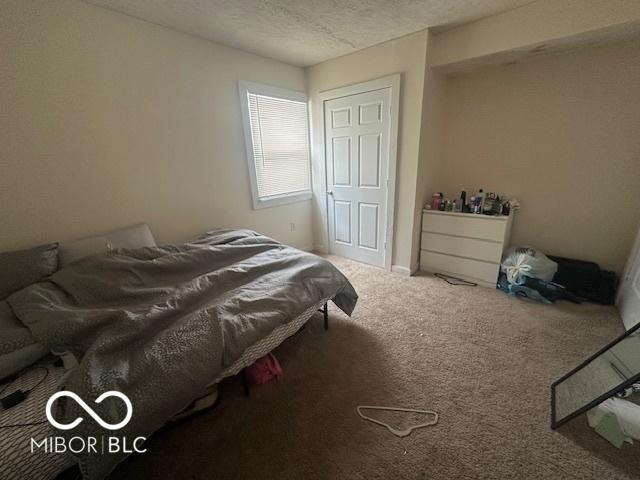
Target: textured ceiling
306 32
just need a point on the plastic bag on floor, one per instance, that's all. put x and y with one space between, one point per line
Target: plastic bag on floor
521 262
520 290
617 420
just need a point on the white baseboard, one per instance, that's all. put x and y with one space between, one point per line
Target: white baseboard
320 248
401 270
406 271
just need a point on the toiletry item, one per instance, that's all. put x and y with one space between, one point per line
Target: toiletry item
442 205
479 201
463 200
497 206
471 206
454 207
488 205
448 206
435 201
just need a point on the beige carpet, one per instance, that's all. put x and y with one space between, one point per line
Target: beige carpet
480 358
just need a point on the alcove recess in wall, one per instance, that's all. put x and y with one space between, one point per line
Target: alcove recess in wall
595 38
549 124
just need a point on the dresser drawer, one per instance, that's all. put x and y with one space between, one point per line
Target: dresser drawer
489 251
474 269
485 228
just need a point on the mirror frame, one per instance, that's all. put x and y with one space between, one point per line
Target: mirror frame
555 423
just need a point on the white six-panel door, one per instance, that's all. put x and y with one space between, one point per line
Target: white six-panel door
357 131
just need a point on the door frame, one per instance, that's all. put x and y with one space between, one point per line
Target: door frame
627 280
393 83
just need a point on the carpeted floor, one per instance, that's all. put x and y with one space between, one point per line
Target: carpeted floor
480 358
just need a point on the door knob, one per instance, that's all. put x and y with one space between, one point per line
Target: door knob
330 192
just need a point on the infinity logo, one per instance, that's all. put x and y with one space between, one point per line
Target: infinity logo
89 410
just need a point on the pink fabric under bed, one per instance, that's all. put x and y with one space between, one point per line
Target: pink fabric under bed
264 370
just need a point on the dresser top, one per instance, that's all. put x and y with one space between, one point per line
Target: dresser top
502 218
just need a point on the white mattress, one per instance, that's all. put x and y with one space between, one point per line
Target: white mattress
16 460
268 343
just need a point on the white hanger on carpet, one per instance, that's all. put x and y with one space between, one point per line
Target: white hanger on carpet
395 431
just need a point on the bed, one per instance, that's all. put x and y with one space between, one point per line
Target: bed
164 325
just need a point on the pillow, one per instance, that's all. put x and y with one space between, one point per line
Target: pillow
18 348
21 268
70 252
13 334
135 236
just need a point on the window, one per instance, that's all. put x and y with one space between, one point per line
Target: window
276 130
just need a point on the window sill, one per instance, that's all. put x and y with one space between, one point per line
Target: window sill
278 200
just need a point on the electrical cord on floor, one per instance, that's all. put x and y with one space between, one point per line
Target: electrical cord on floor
5 387
19 396
38 383
459 281
44 377
8 381
21 425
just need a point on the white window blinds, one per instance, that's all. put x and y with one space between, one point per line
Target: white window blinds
279 136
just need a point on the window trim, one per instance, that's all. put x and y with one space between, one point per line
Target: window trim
244 88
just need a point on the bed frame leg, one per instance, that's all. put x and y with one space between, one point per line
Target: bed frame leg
325 310
245 383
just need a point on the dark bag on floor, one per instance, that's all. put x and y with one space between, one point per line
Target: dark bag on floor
586 280
550 290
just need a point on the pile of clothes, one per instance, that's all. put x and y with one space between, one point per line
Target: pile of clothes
527 272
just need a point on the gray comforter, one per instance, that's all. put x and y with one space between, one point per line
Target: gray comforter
158 324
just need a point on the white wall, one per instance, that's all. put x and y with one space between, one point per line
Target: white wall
106 120
562 134
405 55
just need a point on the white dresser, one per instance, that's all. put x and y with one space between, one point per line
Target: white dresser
464 245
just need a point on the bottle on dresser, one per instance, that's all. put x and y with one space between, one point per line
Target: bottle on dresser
463 201
479 202
435 201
